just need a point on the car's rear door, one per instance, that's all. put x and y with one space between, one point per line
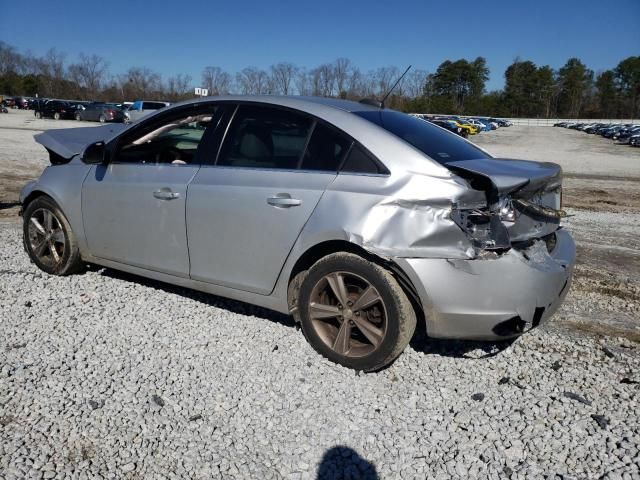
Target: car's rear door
133 208
245 213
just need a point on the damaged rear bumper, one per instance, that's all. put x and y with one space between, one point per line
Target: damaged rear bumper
492 298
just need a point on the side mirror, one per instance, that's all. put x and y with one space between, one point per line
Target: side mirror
95 154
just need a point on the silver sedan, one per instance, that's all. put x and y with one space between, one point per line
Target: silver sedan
355 219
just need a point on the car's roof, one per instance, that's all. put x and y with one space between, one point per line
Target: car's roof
340 113
300 102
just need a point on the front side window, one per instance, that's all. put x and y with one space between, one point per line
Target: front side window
262 137
442 147
174 142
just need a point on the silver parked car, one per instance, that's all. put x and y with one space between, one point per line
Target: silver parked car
355 219
139 109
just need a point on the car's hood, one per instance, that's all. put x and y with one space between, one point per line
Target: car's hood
68 142
508 175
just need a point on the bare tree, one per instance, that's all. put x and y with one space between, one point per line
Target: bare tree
252 81
414 83
216 80
303 83
178 87
368 84
282 75
140 83
88 73
323 80
355 87
51 69
10 59
341 71
385 77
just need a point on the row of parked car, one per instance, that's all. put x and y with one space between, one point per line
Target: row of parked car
22 103
464 126
82 110
96 111
622 133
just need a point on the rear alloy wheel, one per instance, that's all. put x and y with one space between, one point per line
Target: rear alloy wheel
56 116
48 238
354 312
102 118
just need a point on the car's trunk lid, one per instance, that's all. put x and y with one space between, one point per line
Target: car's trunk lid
523 200
67 142
507 175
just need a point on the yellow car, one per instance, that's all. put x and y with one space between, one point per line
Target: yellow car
471 129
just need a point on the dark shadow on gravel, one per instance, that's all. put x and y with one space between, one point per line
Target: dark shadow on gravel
458 348
205 298
7 205
342 462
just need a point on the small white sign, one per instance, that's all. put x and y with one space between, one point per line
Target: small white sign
202 92
198 91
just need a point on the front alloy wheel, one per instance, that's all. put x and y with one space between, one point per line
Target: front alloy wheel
48 238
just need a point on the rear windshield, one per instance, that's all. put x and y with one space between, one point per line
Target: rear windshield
442 146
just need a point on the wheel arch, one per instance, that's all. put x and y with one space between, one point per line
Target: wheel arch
33 195
322 249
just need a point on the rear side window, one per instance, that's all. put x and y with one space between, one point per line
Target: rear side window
359 161
326 149
261 137
443 147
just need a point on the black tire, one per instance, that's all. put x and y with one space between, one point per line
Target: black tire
400 316
70 261
56 116
102 118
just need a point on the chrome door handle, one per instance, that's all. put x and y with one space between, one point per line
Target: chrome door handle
283 200
165 194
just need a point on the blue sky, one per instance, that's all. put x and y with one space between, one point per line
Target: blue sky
182 37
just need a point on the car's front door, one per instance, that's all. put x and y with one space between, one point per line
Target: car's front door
245 213
133 208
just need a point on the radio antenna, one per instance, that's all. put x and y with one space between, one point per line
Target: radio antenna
394 86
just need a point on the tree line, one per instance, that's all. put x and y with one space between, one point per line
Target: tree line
455 87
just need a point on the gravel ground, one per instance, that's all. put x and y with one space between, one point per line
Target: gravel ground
577 152
107 375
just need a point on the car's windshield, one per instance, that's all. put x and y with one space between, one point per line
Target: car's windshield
441 146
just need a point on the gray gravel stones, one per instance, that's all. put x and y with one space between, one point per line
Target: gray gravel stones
77 396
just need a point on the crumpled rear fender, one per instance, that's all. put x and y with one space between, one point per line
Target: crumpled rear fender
408 216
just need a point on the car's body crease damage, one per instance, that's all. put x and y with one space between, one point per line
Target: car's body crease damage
454 222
